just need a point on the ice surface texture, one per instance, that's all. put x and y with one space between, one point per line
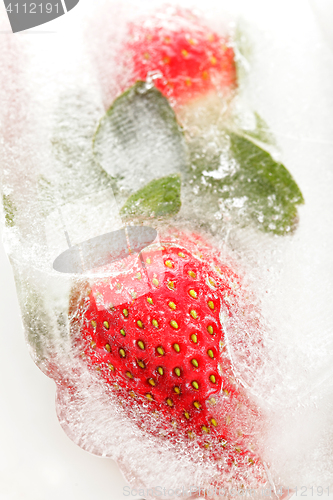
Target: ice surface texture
139 117
53 180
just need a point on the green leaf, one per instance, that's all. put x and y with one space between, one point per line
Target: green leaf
73 172
260 132
9 210
243 49
139 139
243 181
36 321
159 198
271 191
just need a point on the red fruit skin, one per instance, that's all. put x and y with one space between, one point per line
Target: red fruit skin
191 59
151 366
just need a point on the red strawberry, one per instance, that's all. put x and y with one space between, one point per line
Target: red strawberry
153 331
191 59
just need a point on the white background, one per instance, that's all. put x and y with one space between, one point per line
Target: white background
37 460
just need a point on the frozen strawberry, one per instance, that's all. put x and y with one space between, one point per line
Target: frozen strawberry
153 333
188 59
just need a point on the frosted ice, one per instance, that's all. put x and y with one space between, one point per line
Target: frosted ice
53 99
118 143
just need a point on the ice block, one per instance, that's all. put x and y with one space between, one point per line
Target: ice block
162 248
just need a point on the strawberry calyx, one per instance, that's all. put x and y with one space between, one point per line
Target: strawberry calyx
237 178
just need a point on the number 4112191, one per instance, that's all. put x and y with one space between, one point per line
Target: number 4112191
32 8
318 491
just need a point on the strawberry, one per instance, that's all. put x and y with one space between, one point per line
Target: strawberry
152 331
189 59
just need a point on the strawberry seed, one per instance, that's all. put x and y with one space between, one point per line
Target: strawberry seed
194 314
141 345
